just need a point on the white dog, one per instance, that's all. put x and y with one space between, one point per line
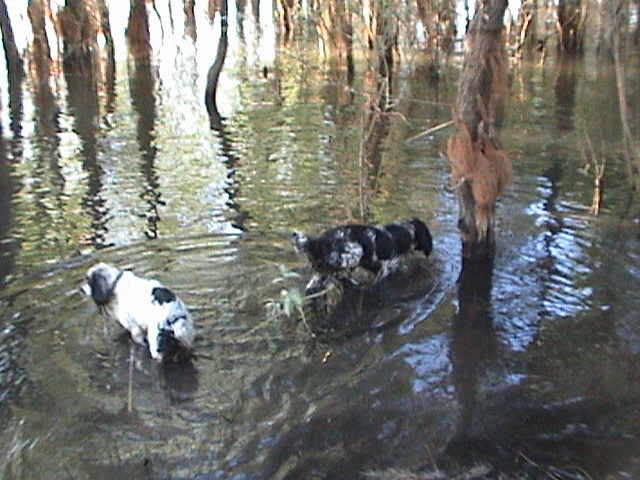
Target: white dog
143 307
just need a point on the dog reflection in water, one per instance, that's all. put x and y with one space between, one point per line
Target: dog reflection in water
361 255
150 312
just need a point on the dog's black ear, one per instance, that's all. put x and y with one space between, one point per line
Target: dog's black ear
162 295
101 290
423 239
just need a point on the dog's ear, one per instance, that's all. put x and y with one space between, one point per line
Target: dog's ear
423 239
162 295
101 290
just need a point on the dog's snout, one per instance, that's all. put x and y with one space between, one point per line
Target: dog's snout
85 289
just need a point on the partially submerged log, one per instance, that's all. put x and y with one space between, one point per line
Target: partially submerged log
480 166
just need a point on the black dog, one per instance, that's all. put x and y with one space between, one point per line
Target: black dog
361 254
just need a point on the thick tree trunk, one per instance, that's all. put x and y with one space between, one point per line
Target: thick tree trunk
480 167
79 28
138 29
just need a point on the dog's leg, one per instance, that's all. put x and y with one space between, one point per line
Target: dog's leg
137 334
153 339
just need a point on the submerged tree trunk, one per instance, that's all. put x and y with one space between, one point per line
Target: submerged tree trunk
138 35
79 29
480 167
213 76
110 61
12 56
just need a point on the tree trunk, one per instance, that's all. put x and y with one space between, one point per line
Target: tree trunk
386 37
79 28
616 17
214 72
15 70
110 61
480 167
190 19
13 59
138 28
571 26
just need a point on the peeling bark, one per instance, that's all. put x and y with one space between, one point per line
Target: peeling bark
480 167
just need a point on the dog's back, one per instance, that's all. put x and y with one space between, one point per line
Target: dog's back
411 235
340 251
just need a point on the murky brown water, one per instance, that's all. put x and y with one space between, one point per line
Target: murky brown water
540 367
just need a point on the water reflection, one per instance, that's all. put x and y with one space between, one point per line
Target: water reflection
474 346
566 83
82 99
8 244
142 88
537 354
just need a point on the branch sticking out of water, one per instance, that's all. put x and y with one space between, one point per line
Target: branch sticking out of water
597 162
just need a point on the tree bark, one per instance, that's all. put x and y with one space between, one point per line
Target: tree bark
480 167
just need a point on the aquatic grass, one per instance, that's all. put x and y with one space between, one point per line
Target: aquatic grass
293 303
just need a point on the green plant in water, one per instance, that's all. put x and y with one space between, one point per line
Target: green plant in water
292 300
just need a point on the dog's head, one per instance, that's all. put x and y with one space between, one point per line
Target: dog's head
421 236
311 248
300 242
101 283
336 249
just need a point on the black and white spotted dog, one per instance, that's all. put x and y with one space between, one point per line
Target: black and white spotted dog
361 254
149 311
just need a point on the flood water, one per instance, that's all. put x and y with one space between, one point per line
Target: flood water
535 369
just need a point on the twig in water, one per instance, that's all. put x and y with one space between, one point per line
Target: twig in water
130 386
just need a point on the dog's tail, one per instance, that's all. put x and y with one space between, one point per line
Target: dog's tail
421 236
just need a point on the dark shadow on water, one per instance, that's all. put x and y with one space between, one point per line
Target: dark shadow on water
512 431
350 311
143 99
8 245
473 341
180 380
83 100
